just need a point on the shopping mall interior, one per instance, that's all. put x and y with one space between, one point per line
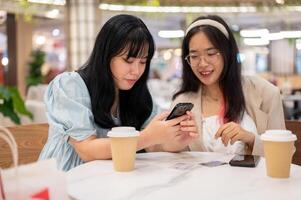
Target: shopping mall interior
54 36
91 109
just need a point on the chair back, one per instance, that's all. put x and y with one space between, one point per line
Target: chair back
30 140
295 127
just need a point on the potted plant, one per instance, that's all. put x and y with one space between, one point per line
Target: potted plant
35 76
12 105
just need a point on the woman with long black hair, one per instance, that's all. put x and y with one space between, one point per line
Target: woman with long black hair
231 110
109 90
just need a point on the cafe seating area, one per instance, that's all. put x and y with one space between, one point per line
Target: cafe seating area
42 39
31 139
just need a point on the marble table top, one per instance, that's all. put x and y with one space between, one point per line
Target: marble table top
179 176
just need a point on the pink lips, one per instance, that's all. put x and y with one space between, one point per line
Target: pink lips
131 81
206 73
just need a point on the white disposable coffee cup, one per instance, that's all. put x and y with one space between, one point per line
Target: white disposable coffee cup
278 151
123 147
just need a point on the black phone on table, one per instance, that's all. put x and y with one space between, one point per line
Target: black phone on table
179 110
244 161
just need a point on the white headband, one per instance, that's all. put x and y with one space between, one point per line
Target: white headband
209 22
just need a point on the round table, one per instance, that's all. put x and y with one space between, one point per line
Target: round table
180 176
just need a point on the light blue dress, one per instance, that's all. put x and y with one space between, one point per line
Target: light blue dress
69 114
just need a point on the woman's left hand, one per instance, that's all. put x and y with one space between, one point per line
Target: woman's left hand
188 133
189 127
232 132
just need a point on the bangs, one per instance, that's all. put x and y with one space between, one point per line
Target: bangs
137 50
137 45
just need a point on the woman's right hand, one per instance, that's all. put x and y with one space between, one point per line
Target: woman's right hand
161 131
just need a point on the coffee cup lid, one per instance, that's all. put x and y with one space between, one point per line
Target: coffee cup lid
123 131
278 136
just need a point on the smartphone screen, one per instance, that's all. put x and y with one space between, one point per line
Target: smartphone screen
179 110
244 161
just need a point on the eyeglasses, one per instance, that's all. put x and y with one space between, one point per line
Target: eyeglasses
210 56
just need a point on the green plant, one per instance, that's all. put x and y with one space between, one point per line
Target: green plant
12 105
35 76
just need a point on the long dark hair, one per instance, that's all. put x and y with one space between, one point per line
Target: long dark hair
120 34
230 80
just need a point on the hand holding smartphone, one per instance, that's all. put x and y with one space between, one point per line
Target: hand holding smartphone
179 110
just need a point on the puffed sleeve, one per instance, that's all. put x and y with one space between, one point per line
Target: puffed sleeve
68 107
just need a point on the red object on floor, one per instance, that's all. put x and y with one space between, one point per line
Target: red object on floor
42 195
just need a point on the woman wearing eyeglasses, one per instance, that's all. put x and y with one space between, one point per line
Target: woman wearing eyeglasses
231 110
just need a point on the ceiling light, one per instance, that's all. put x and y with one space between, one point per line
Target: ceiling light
256 42
273 36
178 52
40 40
280 1
4 61
167 55
54 2
53 13
254 32
55 32
291 34
171 34
177 9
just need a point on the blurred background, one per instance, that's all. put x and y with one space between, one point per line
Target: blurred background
42 38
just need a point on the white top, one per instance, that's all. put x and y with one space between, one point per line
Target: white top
179 176
210 127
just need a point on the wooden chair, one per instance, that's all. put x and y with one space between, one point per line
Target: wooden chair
295 127
30 140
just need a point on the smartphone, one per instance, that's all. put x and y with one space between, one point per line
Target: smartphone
244 161
179 110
